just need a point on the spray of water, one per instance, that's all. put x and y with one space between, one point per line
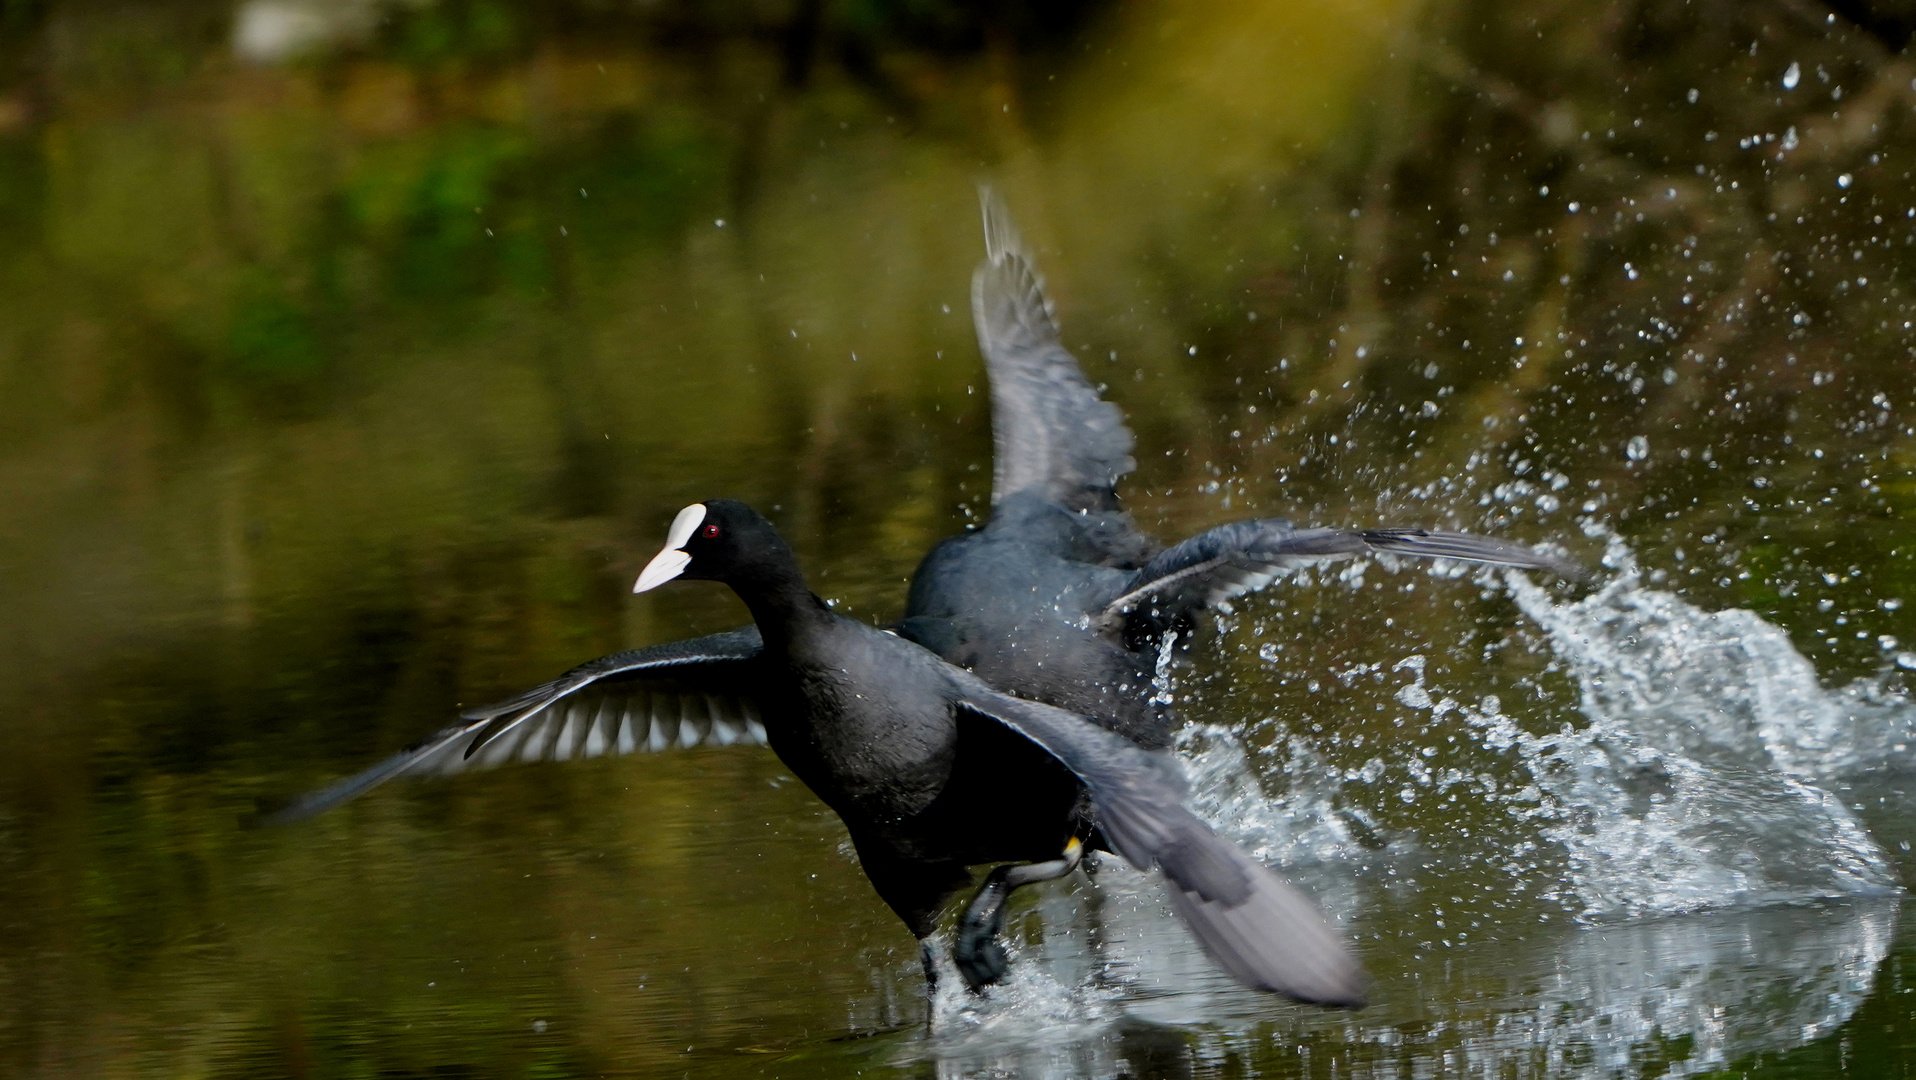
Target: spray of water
1692 770
1693 774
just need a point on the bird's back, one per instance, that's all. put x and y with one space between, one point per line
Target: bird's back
1012 603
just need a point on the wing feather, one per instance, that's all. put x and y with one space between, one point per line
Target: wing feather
1218 565
1257 927
1051 431
645 700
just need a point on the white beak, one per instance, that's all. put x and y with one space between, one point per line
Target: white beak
664 566
672 561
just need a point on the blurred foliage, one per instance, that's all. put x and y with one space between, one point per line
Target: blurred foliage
341 388
1636 232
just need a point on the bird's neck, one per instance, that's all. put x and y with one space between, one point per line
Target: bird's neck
781 604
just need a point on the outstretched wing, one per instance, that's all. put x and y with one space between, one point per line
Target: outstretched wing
1214 566
687 693
1258 928
1050 429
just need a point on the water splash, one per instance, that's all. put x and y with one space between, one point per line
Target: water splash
1719 684
1692 772
1311 823
1662 997
1047 1018
1698 780
1672 997
1723 900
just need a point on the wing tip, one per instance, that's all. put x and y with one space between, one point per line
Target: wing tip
1002 240
1470 547
1276 940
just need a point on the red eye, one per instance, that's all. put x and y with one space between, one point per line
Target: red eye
710 530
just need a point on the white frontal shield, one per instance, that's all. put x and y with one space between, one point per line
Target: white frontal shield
671 562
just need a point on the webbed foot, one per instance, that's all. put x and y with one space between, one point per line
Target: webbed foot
981 960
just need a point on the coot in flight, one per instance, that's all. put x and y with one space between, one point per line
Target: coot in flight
1058 599
931 770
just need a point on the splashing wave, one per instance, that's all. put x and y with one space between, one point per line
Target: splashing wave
1691 771
1695 776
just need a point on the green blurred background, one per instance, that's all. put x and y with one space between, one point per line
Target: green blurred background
353 356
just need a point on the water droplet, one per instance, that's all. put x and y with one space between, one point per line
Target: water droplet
1637 448
1792 76
1843 181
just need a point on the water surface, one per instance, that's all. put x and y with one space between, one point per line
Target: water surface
353 359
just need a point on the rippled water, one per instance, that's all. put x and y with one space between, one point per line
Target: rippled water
1666 888
353 357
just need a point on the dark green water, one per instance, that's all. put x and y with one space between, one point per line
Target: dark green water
353 359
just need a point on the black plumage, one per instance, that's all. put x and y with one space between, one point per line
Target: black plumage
1059 600
931 770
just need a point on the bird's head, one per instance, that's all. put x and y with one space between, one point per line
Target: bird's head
717 540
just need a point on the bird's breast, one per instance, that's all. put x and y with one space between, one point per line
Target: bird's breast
862 745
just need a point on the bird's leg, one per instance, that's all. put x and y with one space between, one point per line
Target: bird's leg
980 958
928 956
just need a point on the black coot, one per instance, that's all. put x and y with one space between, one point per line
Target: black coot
931 770
1060 598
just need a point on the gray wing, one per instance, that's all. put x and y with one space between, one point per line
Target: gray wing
1213 567
1257 927
687 693
1050 429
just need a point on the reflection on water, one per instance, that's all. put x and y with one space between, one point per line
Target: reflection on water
1673 997
353 355
1657 792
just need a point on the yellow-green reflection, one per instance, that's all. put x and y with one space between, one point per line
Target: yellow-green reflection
340 390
